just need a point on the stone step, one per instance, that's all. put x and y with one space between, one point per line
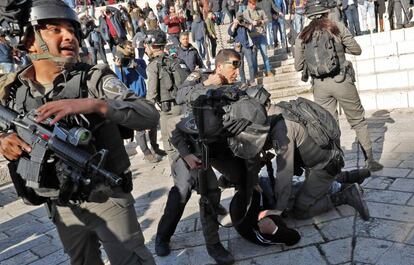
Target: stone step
279 94
386 80
280 77
394 36
286 83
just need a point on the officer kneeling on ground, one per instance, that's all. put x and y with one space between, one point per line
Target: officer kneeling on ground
313 147
77 95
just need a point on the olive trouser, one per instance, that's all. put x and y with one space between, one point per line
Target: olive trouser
185 181
166 128
82 229
328 94
313 197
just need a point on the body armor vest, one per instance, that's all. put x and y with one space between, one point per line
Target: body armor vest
72 85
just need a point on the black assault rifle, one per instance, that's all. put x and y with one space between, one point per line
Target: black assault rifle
80 168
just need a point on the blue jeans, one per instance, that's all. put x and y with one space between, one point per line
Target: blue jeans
299 21
260 42
353 20
269 33
279 25
242 8
7 67
248 53
201 47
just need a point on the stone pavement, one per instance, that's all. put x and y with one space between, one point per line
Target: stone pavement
339 237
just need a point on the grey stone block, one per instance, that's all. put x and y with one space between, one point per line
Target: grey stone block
304 256
384 229
54 258
391 212
398 254
407 164
47 248
338 251
379 183
13 246
368 250
345 210
21 259
243 249
336 229
386 196
309 235
403 185
392 172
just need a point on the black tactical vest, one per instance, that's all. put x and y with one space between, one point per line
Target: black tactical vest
72 85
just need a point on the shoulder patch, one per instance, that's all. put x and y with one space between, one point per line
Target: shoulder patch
112 85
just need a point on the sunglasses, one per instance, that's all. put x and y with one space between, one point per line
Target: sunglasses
235 63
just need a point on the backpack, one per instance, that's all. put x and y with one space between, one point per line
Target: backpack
320 55
172 74
320 124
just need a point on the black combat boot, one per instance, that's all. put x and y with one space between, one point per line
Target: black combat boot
159 151
220 254
162 247
354 176
352 196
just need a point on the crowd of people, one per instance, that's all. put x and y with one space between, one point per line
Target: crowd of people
211 116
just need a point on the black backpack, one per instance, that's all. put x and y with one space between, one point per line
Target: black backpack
173 72
320 124
320 55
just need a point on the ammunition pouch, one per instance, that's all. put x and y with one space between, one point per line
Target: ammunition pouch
28 195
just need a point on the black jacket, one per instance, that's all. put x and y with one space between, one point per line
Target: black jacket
190 56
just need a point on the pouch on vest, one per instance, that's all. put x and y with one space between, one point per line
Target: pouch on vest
321 126
321 57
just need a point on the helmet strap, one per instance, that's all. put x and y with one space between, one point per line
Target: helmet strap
45 55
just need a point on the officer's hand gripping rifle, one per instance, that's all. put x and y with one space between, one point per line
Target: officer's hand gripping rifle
80 166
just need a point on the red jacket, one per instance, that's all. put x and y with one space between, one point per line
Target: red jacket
174 24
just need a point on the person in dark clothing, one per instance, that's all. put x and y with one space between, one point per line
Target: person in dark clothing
199 35
146 10
188 53
216 8
239 30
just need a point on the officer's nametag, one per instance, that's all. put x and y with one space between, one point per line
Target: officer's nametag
183 66
112 85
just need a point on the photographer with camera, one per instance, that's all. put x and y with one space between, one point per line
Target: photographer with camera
132 72
240 29
257 17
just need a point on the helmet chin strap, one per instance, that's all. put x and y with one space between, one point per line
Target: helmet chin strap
60 61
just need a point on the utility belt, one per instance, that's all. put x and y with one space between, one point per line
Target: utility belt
166 106
345 70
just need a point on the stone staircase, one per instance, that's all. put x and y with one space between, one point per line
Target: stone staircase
385 70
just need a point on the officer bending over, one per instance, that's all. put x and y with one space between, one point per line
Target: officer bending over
297 150
57 86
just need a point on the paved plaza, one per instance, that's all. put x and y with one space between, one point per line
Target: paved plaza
27 236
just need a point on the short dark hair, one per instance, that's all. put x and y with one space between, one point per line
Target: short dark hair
224 55
184 33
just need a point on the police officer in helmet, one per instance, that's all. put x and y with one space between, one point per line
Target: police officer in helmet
76 94
337 85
